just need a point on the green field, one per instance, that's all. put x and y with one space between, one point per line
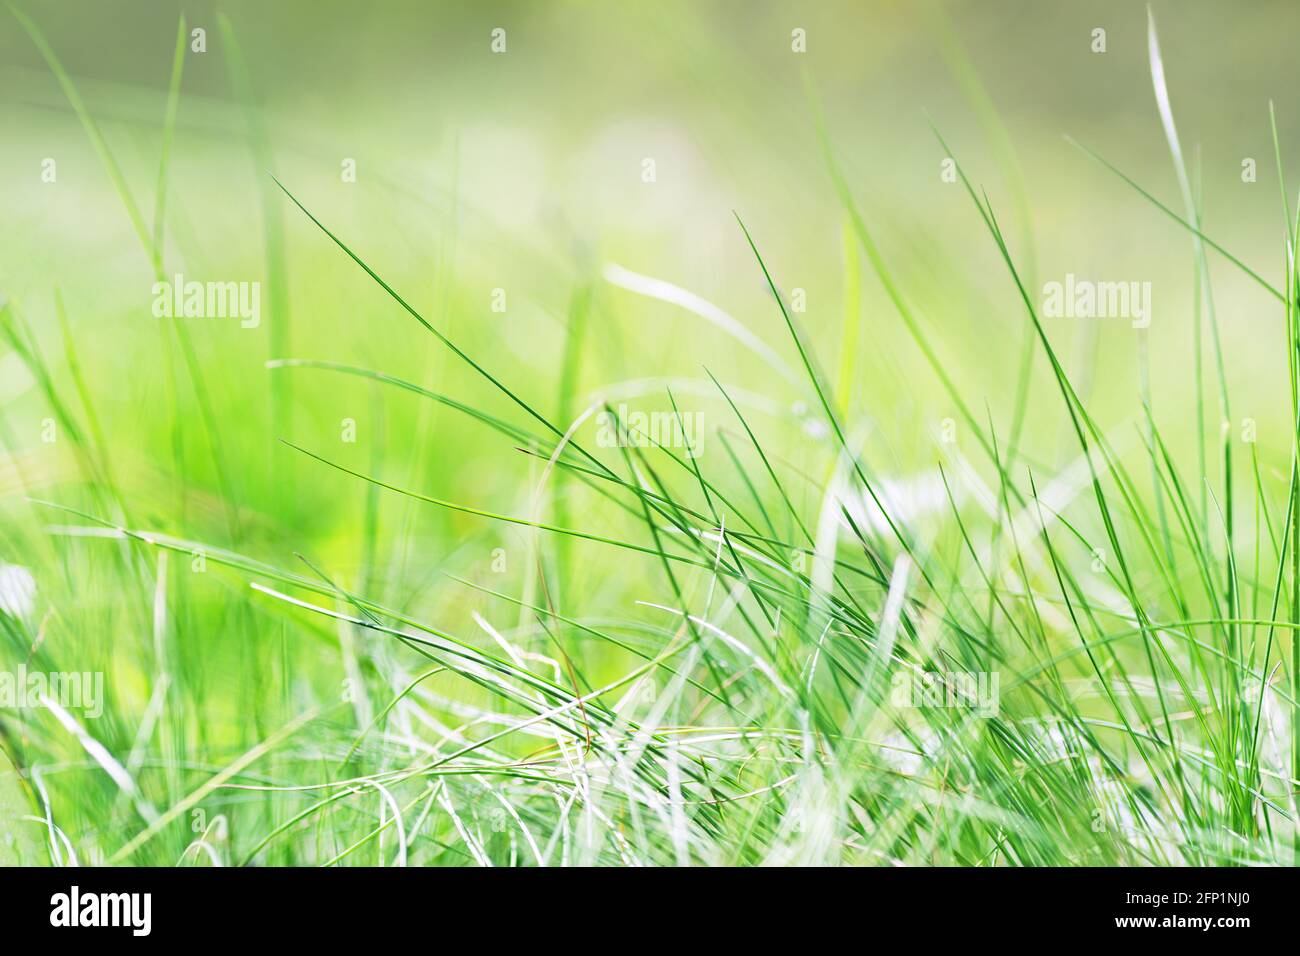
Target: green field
720 433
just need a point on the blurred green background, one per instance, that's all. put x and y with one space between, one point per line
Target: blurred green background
523 172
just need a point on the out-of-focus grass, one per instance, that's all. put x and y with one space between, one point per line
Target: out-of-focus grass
553 515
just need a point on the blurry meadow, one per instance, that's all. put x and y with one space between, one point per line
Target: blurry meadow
714 433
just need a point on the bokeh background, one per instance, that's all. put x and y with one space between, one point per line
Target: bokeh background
523 171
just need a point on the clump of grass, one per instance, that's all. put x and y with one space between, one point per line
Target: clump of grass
779 670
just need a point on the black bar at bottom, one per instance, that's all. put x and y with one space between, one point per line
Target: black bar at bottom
351 906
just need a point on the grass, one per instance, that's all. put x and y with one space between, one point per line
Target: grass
644 656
